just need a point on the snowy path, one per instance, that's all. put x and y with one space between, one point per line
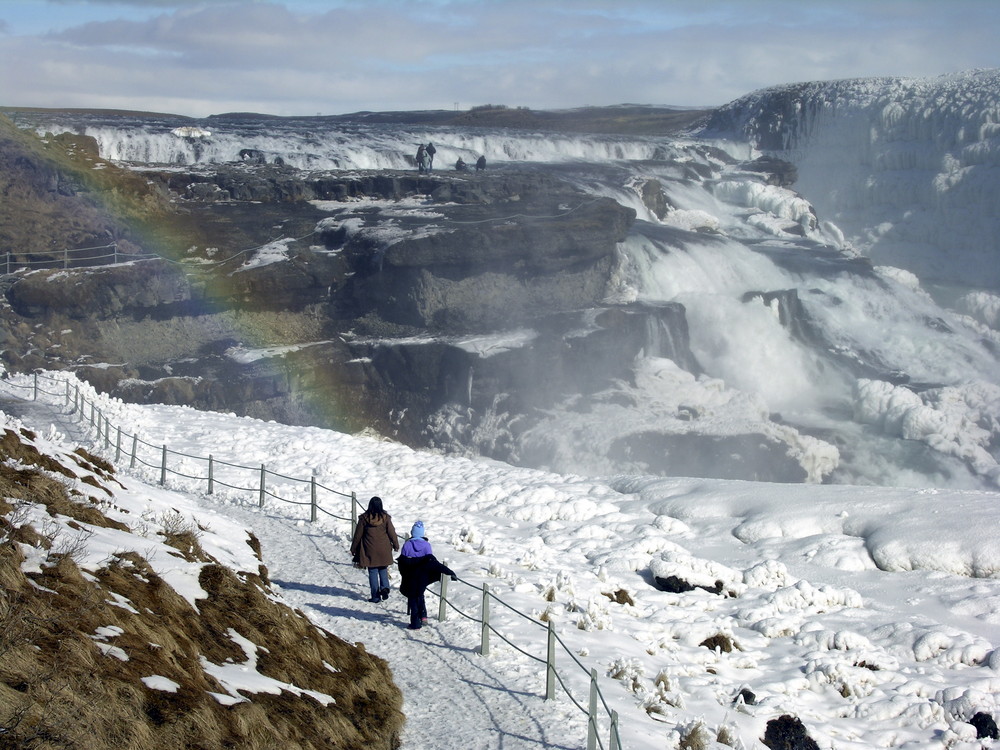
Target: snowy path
314 573
439 670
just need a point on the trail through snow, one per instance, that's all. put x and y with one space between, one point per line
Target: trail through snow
438 668
454 698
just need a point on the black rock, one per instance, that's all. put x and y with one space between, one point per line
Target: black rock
788 733
986 726
673 584
779 172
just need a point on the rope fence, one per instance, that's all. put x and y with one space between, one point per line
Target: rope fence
70 257
157 460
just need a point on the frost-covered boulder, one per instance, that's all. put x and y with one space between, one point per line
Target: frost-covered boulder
958 421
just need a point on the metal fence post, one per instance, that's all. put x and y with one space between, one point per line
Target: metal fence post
443 602
354 513
98 438
550 664
592 720
135 445
91 412
163 467
67 393
263 473
614 741
484 647
107 434
118 446
312 499
211 478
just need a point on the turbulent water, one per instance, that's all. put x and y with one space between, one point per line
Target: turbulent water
882 372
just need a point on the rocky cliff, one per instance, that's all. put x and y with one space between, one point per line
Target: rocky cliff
374 318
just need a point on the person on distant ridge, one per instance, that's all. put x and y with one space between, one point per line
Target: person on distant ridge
418 568
481 163
460 165
421 158
430 156
374 542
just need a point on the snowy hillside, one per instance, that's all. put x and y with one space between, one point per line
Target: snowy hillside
135 616
708 607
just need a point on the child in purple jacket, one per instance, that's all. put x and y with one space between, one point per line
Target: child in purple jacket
418 568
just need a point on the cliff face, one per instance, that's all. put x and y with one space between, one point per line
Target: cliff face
58 193
374 318
904 166
527 248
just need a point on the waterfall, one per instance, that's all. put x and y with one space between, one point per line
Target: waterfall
318 144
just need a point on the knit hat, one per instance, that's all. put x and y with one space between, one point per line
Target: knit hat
418 530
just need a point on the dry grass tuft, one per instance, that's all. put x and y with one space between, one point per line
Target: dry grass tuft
719 642
620 596
13 447
94 464
35 485
183 535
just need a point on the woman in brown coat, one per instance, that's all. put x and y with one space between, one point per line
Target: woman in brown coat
374 542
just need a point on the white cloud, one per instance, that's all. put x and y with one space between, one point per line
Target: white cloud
302 57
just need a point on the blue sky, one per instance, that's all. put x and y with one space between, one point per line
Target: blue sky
199 57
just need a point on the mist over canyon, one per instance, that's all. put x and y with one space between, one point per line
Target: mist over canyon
801 286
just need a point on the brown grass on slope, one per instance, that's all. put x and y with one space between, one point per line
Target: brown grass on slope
75 645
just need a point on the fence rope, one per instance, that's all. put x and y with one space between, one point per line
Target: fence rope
66 256
77 405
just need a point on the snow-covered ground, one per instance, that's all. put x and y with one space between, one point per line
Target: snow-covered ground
872 614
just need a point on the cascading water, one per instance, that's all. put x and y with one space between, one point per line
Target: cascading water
309 143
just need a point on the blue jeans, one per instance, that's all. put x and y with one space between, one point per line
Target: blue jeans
378 579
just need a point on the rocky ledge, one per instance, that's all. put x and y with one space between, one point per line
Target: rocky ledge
406 296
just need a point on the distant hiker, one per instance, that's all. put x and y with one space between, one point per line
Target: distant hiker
418 568
480 163
374 542
422 158
430 156
460 165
